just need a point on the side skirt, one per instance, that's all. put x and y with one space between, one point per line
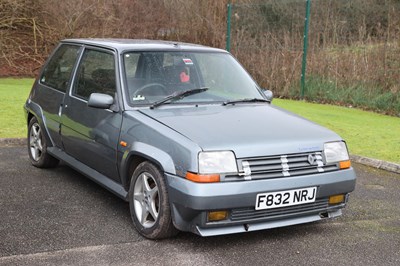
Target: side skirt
97 177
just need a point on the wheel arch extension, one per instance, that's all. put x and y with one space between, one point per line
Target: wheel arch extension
144 152
34 110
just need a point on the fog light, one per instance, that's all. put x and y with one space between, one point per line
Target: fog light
214 216
336 199
344 164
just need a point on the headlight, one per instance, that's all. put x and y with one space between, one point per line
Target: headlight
217 162
335 152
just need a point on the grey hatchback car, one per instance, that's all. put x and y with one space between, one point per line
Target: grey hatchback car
186 136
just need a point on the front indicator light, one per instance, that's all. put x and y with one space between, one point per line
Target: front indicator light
344 164
336 199
214 216
202 178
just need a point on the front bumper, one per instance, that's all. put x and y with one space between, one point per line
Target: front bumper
190 202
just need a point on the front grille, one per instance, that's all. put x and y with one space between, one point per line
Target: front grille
281 166
250 214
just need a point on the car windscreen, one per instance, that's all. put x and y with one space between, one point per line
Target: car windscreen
152 76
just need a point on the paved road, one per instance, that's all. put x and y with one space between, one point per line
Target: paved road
58 217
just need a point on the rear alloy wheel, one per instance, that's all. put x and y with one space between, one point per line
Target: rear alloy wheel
37 147
149 204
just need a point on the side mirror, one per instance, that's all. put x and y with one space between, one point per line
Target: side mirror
269 95
100 100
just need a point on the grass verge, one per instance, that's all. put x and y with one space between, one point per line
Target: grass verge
367 134
13 94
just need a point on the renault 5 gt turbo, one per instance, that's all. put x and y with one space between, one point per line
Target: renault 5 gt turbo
186 136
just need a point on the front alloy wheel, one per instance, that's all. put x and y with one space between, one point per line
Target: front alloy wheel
149 203
146 200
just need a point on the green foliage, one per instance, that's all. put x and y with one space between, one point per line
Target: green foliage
387 101
359 95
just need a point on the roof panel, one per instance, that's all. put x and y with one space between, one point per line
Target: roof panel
142 44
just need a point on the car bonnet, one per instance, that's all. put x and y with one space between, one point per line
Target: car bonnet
249 130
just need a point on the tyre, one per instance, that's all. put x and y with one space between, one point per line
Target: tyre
149 203
37 146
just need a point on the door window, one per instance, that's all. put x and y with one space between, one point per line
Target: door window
96 73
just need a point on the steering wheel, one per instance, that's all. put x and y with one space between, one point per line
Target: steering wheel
159 86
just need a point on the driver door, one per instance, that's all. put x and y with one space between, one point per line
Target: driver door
91 135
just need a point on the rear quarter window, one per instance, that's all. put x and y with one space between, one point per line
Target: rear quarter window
57 72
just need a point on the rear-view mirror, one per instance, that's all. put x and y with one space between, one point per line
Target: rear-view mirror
269 95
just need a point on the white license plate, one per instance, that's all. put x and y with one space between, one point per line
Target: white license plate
285 198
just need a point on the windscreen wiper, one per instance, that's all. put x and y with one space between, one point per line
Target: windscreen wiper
177 96
252 100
